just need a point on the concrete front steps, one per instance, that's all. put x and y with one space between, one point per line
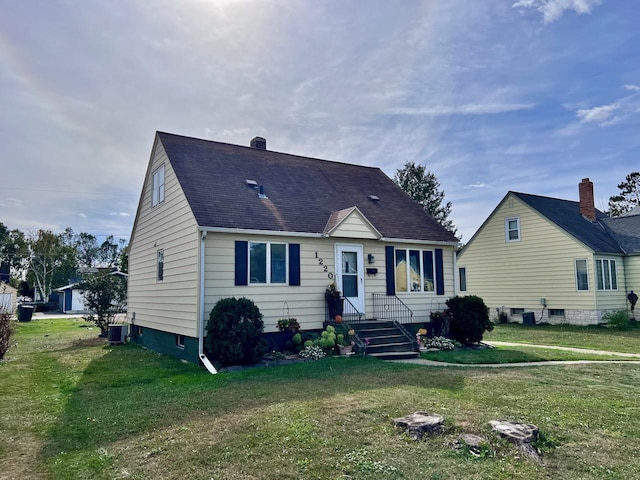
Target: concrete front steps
386 340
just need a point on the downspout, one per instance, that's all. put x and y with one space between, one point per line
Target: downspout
456 274
203 358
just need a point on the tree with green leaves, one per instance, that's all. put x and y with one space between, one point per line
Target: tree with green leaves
424 188
629 196
13 252
51 262
105 295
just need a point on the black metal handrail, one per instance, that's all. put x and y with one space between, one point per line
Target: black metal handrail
390 307
350 314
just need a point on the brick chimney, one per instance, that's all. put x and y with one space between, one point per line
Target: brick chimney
259 143
587 205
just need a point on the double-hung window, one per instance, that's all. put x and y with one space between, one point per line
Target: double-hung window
512 229
267 262
414 271
158 186
606 275
582 274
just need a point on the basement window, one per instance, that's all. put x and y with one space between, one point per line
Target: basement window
180 341
556 312
517 311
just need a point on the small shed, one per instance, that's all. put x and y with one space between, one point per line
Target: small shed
8 297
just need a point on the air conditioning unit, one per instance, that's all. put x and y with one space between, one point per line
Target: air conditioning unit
528 318
117 333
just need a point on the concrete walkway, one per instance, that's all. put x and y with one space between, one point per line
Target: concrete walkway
431 363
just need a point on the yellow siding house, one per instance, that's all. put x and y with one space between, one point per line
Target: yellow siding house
551 260
217 220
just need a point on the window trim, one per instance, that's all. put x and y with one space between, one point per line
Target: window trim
268 261
507 230
612 279
516 311
180 341
575 266
158 188
407 255
160 265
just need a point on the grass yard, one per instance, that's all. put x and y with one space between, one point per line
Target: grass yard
518 354
73 407
592 337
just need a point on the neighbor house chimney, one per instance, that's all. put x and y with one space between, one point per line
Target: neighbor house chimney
259 143
587 206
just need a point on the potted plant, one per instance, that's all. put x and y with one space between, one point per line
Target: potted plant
334 300
421 338
345 342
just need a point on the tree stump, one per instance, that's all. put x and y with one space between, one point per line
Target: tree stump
522 434
420 423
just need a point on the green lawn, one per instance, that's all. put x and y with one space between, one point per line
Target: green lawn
592 337
513 355
73 407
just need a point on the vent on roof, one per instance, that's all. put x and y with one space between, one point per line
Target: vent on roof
259 143
251 183
373 198
261 193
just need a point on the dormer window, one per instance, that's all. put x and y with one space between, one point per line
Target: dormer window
158 186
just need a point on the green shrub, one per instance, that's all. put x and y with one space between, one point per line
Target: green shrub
234 332
468 319
617 319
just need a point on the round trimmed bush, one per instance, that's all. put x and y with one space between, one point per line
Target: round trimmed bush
468 319
234 333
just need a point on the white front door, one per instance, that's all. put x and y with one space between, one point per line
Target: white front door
350 274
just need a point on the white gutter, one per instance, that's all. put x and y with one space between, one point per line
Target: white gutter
203 358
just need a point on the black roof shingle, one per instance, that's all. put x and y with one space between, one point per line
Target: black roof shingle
302 193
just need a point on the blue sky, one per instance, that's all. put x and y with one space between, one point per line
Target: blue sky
491 95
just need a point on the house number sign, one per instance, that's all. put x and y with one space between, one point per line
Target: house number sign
324 267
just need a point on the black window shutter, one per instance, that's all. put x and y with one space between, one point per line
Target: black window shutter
242 262
439 272
389 261
294 264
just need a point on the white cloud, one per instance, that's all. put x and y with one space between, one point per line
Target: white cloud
467 109
552 10
600 115
633 88
11 202
120 214
477 185
82 215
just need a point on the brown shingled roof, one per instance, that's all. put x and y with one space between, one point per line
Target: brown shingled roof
302 193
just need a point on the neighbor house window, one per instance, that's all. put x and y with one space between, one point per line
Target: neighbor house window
556 312
606 275
158 186
160 265
414 271
463 279
512 229
267 262
582 275
517 311
180 341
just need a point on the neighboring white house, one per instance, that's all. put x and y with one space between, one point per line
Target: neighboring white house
563 260
217 220
70 297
